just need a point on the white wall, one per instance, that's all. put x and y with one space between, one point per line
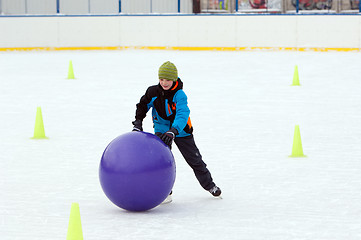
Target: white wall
104 6
74 7
40 7
28 6
82 7
232 31
15 6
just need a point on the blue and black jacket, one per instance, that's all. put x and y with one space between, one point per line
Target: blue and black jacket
169 109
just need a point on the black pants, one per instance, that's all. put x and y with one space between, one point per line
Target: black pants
196 6
191 154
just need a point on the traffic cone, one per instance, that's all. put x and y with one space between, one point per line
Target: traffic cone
70 71
75 231
296 80
39 132
297 150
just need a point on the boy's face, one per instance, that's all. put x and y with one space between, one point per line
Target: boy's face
166 84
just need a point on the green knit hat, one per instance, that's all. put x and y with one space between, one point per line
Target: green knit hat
168 71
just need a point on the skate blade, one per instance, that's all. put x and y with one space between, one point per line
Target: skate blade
167 200
219 197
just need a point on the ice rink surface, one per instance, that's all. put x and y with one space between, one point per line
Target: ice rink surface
243 109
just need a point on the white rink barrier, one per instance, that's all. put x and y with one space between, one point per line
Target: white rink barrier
182 32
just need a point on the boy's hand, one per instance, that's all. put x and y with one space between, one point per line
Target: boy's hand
137 125
169 136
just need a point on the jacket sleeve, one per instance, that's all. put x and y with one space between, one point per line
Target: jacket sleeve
144 105
182 111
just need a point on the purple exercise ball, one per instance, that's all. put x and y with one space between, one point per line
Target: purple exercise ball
137 171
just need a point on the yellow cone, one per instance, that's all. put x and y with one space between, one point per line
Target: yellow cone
39 132
70 71
75 231
297 150
296 80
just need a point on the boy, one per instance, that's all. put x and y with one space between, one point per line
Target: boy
170 114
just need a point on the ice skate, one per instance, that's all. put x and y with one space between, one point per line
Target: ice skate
215 191
168 199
